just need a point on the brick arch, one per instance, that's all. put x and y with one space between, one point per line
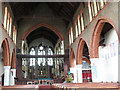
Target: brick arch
87 60
72 58
96 35
80 47
42 25
13 62
6 52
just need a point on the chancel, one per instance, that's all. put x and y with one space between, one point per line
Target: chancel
60 44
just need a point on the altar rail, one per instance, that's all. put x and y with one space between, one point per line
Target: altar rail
45 81
41 81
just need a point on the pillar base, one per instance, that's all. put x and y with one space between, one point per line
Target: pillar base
6 75
94 62
79 73
73 70
12 76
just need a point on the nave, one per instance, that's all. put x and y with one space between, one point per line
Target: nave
59 45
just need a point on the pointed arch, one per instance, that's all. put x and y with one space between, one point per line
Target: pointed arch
87 60
42 25
72 58
96 35
80 47
13 62
6 52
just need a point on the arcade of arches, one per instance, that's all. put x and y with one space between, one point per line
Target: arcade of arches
76 38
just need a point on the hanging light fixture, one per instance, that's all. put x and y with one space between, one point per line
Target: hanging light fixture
41 47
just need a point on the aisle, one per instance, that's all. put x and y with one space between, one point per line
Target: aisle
45 87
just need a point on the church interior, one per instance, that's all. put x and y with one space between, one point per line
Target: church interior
59 45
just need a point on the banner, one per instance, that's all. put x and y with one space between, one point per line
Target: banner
109 51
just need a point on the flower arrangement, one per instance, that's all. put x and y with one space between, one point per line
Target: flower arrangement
69 78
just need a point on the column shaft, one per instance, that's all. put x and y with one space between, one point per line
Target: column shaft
12 76
6 75
79 73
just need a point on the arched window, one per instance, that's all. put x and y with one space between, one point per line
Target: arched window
8 22
102 3
5 18
90 11
8 25
62 47
50 60
71 35
41 51
79 26
14 34
82 22
98 6
44 51
10 28
94 7
76 29
32 60
70 38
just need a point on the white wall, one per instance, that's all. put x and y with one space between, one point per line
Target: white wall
107 64
1 70
119 63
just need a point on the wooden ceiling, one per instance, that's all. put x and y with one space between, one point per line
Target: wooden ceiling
64 10
42 32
